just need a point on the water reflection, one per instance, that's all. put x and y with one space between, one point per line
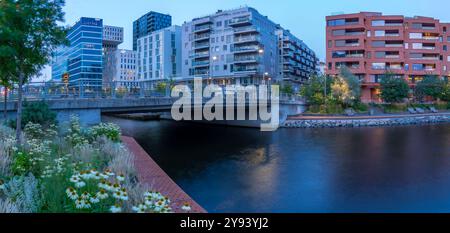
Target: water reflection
400 169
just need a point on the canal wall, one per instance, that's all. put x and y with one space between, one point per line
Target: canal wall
150 174
366 122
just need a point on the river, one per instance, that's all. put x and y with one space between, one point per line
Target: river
228 169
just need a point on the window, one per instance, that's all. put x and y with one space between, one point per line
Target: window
378 43
415 35
380 33
378 66
340 43
336 22
380 54
330 44
369 33
417 45
378 23
219 24
417 67
338 32
225 47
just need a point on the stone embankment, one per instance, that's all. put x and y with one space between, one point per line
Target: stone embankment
323 122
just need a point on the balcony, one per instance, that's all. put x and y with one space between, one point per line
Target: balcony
239 21
200 63
245 69
248 29
247 59
245 39
202 28
246 49
201 45
201 55
200 37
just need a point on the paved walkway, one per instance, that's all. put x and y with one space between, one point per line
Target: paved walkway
323 117
151 174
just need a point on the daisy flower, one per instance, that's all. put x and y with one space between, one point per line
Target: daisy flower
140 208
120 177
186 207
115 209
102 194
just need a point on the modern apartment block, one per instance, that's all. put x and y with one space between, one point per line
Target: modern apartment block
148 23
159 56
123 70
370 44
241 46
82 59
112 37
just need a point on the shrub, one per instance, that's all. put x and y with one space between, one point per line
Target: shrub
395 108
38 113
109 130
25 193
432 86
393 89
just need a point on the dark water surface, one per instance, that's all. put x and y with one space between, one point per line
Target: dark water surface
227 169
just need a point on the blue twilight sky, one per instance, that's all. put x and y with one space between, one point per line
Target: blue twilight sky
305 19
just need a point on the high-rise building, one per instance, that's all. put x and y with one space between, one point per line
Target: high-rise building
241 46
123 70
112 37
82 59
371 44
159 56
148 23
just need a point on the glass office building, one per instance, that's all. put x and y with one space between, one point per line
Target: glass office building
82 58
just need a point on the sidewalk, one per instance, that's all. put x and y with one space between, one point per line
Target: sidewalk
151 174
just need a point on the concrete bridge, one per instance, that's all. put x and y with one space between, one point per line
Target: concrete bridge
90 110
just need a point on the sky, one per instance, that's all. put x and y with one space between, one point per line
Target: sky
304 18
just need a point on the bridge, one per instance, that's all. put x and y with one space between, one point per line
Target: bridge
90 106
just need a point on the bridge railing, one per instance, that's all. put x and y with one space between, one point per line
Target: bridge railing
59 90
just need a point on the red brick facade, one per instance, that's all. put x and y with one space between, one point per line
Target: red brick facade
370 44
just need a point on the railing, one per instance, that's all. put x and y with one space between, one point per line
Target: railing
246 38
201 28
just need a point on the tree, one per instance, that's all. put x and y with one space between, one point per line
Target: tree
353 84
314 90
287 89
30 33
432 86
393 89
446 92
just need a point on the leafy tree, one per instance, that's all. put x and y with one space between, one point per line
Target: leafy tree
446 91
353 84
287 89
314 90
30 32
432 86
393 89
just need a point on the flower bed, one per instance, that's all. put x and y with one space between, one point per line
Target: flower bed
81 171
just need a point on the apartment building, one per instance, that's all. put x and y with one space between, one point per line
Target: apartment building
122 69
159 56
148 23
112 38
371 44
241 46
82 59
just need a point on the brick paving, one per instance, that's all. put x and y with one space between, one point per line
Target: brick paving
324 117
149 173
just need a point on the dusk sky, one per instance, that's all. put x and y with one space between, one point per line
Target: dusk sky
305 19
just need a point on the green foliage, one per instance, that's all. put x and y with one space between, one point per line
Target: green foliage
394 108
314 89
352 82
287 89
21 163
393 89
109 130
38 113
431 86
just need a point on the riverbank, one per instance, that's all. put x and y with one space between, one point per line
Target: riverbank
149 173
364 121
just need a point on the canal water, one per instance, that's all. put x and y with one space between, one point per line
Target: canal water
227 169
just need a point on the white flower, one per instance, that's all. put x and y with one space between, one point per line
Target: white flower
149 203
94 199
104 175
2 185
75 179
120 177
82 204
80 184
115 209
186 207
97 176
140 208
109 172
85 196
102 194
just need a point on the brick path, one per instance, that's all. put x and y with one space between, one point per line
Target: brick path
151 174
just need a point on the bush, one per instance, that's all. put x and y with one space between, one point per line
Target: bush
394 108
109 130
36 112
393 89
